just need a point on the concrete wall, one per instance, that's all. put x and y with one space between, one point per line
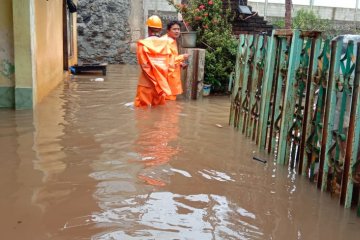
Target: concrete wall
136 21
74 59
31 51
331 13
49 46
7 69
160 8
23 15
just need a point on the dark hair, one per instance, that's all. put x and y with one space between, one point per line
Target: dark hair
154 30
172 23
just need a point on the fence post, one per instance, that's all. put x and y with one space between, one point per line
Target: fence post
245 80
289 104
330 106
281 73
309 101
255 91
236 80
320 80
266 90
352 145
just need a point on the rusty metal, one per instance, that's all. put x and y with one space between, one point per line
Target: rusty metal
245 106
352 137
334 66
283 32
276 76
255 110
320 81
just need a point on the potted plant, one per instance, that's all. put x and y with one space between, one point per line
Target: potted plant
214 33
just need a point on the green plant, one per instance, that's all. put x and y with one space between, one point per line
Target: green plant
211 22
309 20
306 20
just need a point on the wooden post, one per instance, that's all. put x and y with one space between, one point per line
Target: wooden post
353 139
236 84
246 71
330 107
289 104
310 96
193 75
266 91
309 102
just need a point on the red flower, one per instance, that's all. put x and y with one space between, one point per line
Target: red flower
202 7
206 14
210 2
206 27
198 18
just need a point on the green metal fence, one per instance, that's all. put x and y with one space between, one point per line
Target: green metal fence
297 96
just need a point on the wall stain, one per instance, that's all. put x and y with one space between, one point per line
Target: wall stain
7 69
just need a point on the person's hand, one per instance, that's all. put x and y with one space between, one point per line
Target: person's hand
186 56
184 64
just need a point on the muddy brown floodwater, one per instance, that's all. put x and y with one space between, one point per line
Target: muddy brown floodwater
86 165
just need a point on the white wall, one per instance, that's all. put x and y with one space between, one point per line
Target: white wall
332 13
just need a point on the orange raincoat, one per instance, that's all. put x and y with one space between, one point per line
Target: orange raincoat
154 57
174 77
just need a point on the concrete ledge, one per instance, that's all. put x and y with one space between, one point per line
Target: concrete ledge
23 98
7 97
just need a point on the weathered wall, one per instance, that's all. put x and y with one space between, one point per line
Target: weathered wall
6 54
6 44
72 60
49 46
23 16
331 13
136 21
161 8
104 33
109 29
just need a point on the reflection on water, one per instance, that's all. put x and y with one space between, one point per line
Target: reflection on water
86 165
157 131
172 216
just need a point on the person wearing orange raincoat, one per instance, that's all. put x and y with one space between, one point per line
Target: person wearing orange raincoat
154 56
178 61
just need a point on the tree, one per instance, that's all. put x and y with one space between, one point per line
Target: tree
288 6
307 20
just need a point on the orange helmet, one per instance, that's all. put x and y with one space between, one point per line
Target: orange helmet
154 22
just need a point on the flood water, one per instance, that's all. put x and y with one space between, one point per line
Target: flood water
86 165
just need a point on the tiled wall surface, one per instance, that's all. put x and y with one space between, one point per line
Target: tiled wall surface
7 97
23 98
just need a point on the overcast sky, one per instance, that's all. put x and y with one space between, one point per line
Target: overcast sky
330 3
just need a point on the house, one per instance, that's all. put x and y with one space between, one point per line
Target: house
37 44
